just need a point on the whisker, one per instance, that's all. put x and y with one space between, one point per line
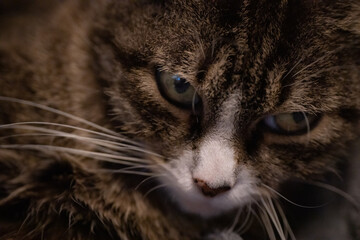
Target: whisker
59 112
307 127
270 219
283 228
236 220
121 139
124 170
147 179
285 222
269 206
244 226
101 142
95 155
155 188
107 150
193 103
137 167
111 148
104 149
27 135
317 61
292 69
121 171
338 191
267 223
110 144
291 202
257 216
200 44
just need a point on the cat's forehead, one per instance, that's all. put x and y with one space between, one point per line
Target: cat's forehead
223 46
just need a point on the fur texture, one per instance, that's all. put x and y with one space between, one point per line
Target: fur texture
119 161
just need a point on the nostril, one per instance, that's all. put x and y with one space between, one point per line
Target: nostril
209 191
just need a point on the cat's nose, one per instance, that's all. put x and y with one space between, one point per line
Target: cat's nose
209 191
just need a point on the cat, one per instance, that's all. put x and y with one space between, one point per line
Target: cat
183 119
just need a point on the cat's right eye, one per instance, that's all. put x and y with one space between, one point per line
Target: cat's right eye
177 90
293 123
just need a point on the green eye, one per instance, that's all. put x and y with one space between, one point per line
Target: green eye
295 123
177 90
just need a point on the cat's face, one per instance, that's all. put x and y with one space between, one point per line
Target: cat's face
236 98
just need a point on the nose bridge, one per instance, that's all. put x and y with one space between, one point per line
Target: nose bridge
216 161
221 120
220 107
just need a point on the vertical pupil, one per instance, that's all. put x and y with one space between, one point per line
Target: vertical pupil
298 117
180 84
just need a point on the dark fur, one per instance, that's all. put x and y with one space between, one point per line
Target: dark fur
97 59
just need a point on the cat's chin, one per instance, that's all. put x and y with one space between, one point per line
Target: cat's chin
206 207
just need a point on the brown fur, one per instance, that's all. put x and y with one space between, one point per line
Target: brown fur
97 59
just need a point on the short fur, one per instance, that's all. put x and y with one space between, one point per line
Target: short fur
246 59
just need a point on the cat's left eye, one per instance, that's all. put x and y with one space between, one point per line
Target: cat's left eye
177 90
294 123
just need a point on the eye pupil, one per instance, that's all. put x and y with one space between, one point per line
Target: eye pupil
298 117
177 90
180 84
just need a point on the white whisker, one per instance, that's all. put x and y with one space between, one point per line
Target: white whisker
56 111
133 167
270 218
338 191
155 188
27 135
291 202
267 224
95 155
292 69
285 222
102 149
110 144
236 220
307 128
247 222
328 54
147 179
112 149
257 216
121 139
275 218
121 171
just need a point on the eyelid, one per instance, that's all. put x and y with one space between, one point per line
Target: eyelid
270 124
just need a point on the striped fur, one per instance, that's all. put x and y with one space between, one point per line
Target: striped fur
89 148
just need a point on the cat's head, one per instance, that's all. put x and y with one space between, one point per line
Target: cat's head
237 96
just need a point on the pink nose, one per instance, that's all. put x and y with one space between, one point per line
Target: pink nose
208 191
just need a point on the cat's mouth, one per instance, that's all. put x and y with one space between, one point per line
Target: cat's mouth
212 206
194 199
